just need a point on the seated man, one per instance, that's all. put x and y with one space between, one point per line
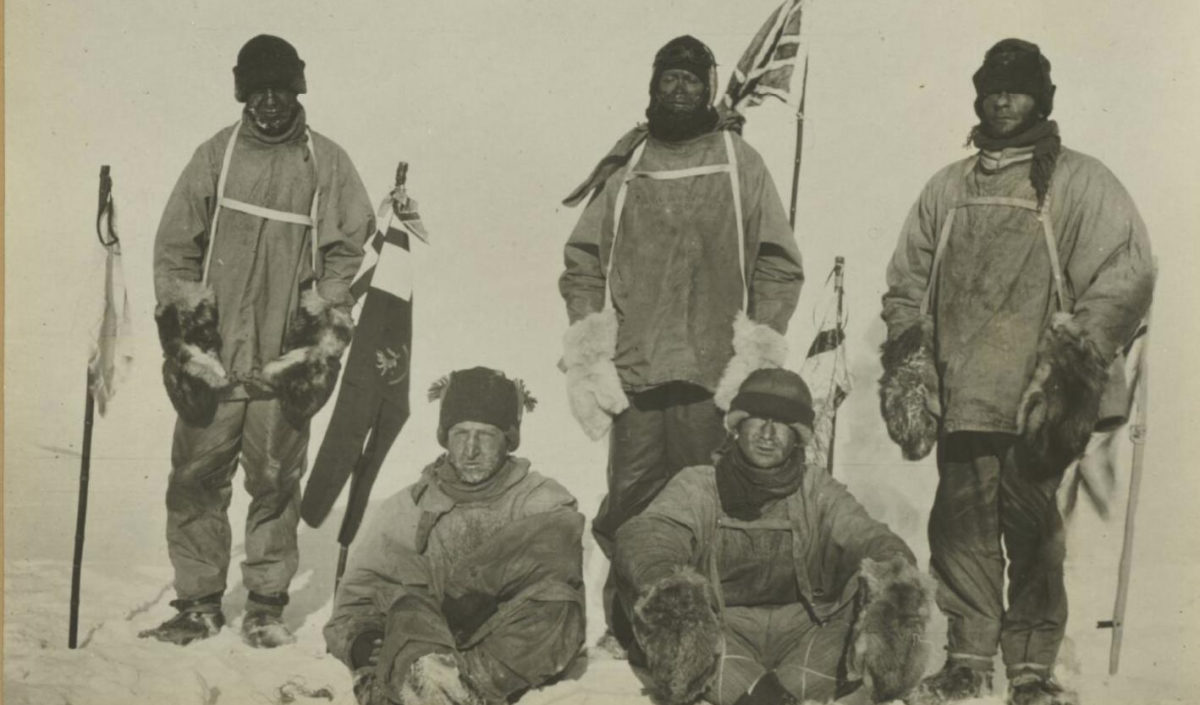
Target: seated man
466 588
760 580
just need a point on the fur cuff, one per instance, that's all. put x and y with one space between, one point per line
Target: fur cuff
593 386
304 377
1059 408
187 329
890 649
909 396
755 346
676 625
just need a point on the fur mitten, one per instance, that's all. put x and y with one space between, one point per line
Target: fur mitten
187 328
1059 408
593 387
755 346
890 649
909 390
676 625
304 376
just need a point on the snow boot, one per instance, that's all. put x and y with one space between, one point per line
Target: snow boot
264 629
956 681
434 679
197 619
1038 689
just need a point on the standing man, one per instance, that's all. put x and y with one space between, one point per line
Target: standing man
252 268
1019 275
686 236
467 587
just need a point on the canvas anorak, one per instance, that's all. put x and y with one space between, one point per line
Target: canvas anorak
674 282
831 534
994 294
499 581
259 266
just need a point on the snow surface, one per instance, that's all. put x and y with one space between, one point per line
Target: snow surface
501 108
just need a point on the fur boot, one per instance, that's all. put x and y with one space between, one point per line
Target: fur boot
435 679
187 328
676 625
593 387
304 376
909 391
890 649
1059 408
755 345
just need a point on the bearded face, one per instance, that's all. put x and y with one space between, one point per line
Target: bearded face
273 110
679 106
476 451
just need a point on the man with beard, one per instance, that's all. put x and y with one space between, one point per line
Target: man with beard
686 234
466 587
759 580
252 269
1020 274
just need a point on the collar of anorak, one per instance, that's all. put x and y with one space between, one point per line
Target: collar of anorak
442 476
992 161
1043 141
296 133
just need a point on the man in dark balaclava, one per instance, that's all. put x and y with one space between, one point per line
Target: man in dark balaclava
686 237
1030 262
252 269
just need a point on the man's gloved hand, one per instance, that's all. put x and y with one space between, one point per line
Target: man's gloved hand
365 649
676 625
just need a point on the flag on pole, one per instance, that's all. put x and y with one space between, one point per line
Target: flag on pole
110 356
372 404
769 62
825 370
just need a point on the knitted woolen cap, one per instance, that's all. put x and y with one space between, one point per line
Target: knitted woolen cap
267 61
773 393
1015 66
690 54
483 395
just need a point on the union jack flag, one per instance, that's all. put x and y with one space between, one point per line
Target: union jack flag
766 67
826 372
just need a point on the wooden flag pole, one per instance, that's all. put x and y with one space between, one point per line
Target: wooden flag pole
1137 434
839 267
81 514
799 147
107 239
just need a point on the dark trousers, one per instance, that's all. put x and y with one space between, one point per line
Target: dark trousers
664 430
985 496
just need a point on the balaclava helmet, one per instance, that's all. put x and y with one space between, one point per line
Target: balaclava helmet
689 54
267 62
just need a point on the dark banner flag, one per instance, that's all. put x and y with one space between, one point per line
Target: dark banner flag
372 405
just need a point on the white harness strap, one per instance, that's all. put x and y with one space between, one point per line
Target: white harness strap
1043 216
730 167
223 201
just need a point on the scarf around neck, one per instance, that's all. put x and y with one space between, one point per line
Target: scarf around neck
295 131
744 489
1042 137
461 492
